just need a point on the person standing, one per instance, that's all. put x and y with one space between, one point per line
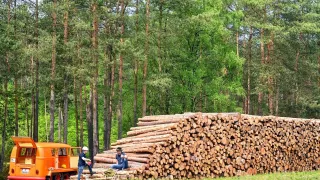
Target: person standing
122 160
83 162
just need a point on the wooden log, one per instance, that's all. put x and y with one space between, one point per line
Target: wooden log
155 133
138 145
112 160
113 155
147 129
160 122
141 139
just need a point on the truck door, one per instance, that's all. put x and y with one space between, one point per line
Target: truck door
74 156
25 158
26 150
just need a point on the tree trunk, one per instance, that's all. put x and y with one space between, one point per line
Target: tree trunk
95 79
277 100
53 72
249 72
106 96
120 73
36 112
45 118
136 66
145 65
65 114
27 117
89 116
75 94
16 106
66 79
59 124
270 78
32 97
16 98
260 94
160 35
296 68
81 114
111 78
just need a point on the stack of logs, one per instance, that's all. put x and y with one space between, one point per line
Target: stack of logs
195 145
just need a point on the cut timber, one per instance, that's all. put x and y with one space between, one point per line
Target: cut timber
140 139
196 145
147 129
113 155
159 122
114 161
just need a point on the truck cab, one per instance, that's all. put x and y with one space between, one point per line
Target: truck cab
47 161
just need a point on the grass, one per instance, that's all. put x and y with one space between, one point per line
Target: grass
310 175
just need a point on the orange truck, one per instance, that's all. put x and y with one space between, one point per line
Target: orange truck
41 160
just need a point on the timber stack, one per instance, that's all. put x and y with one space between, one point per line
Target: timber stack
195 145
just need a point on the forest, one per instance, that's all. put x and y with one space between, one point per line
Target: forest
82 72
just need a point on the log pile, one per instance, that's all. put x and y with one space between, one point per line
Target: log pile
195 145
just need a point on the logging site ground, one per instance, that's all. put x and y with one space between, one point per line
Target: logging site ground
310 175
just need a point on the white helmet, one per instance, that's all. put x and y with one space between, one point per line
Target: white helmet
85 148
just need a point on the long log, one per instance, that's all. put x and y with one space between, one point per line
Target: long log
173 120
114 161
146 129
139 139
113 155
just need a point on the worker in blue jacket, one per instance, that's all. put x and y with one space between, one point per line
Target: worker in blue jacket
83 162
122 160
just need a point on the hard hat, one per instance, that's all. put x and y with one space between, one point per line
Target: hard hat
64 166
85 148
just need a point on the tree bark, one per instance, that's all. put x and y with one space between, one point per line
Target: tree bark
16 106
27 117
81 116
53 72
59 124
32 98
66 79
36 112
270 78
145 65
111 78
260 94
95 79
89 109
75 94
120 73
136 66
106 97
249 72
160 35
45 118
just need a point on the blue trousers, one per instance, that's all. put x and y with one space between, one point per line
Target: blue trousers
80 170
123 165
